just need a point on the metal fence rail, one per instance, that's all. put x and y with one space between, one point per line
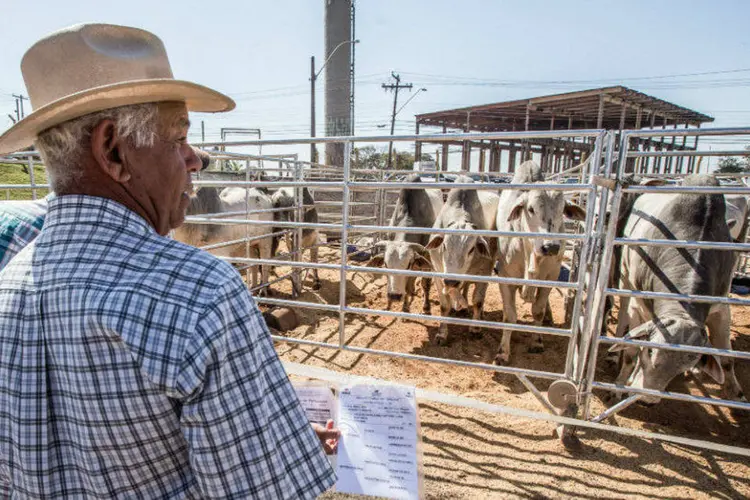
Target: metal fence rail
603 290
596 242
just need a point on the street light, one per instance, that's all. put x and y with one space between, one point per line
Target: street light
313 78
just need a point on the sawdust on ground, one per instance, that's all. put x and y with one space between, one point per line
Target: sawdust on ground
473 454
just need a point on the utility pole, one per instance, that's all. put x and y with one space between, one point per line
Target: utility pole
20 99
203 131
395 88
18 111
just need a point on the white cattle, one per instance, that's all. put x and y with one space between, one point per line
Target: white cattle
208 200
463 254
535 211
414 208
285 198
692 217
737 216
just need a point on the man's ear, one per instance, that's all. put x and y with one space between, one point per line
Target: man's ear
106 147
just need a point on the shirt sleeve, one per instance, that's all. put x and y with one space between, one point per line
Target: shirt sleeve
247 434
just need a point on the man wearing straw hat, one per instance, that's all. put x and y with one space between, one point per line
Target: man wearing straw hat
132 365
21 221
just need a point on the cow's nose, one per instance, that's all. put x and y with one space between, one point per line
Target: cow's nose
452 283
551 248
395 296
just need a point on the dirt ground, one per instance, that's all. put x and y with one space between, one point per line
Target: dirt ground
473 454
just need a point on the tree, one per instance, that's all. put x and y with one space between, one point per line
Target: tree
370 157
731 165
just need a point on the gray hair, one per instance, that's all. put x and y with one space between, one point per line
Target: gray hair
63 145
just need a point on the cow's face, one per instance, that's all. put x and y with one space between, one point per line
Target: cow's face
543 212
403 256
456 252
655 368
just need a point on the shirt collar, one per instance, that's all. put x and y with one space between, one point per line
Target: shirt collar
91 210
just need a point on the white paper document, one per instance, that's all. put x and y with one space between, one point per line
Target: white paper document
378 447
318 402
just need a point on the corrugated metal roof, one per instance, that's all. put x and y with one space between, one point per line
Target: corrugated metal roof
574 110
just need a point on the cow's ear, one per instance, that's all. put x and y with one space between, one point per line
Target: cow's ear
483 247
712 366
434 242
516 212
376 261
421 264
574 212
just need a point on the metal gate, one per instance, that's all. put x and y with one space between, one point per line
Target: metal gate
568 401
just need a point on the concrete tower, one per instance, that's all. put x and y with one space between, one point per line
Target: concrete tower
338 29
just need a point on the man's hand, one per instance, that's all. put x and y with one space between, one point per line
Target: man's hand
328 435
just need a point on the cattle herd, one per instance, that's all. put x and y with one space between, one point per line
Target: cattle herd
694 271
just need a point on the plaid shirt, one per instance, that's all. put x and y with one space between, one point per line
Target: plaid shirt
133 366
20 222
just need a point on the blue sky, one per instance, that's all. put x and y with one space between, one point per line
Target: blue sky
464 53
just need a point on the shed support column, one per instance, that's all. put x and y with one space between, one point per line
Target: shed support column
681 159
660 147
670 160
495 153
647 147
512 159
697 164
481 156
444 166
466 150
637 161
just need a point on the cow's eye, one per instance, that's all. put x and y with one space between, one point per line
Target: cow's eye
531 210
471 250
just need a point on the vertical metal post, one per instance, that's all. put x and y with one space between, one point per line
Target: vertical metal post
582 263
203 131
249 274
299 199
31 176
313 155
344 239
380 207
602 279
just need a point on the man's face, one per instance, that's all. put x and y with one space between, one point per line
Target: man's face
161 181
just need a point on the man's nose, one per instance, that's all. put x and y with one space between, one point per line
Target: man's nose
192 162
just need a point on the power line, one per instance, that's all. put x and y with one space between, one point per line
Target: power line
677 75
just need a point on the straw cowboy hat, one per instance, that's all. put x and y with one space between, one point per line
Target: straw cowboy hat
92 67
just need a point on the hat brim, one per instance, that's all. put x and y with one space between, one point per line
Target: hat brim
196 97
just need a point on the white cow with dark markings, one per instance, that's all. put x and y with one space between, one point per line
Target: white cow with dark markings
693 217
285 198
414 208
